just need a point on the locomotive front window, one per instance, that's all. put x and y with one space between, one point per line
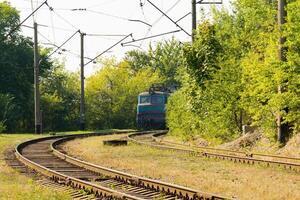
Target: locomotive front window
144 99
157 100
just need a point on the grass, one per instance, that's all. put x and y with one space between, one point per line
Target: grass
15 186
215 176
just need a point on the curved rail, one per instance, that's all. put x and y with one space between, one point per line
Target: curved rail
137 187
224 154
64 179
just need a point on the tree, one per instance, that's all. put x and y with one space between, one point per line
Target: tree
16 64
112 92
164 58
232 73
7 110
208 102
60 99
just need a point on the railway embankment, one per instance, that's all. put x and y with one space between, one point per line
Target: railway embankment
210 175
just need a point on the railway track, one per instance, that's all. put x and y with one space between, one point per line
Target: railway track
154 140
45 156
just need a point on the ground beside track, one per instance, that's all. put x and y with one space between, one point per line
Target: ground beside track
243 181
15 186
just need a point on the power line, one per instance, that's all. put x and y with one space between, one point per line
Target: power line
27 26
153 36
105 35
184 16
52 26
110 15
169 18
210 2
61 17
137 20
63 44
67 50
108 49
106 14
58 28
158 19
131 45
173 6
14 29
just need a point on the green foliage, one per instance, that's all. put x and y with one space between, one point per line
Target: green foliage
112 93
292 70
201 56
16 64
60 100
207 104
232 74
9 18
165 58
7 109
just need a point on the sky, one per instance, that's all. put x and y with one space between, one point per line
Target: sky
105 17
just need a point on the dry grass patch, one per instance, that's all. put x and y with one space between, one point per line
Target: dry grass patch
15 186
243 181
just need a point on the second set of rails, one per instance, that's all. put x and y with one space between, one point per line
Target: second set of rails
45 156
155 140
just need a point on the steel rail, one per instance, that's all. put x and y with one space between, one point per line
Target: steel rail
247 154
228 150
235 156
68 180
145 183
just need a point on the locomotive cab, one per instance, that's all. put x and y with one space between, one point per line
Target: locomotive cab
151 109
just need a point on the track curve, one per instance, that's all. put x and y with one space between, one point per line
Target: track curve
43 156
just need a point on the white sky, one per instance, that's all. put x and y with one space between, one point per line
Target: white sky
93 22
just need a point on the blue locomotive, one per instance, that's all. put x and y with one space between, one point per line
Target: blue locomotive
151 108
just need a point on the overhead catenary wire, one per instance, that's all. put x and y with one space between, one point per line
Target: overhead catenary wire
207 2
166 12
184 16
110 15
137 20
63 44
153 36
61 17
58 28
67 50
105 35
27 26
132 45
15 28
52 26
169 17
108 49
158 19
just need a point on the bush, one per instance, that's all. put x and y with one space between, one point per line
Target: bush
2 127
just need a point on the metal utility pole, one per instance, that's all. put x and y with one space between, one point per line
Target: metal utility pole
82 102
282 129
194 19
38 122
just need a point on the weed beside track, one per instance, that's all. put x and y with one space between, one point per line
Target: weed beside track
243 181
